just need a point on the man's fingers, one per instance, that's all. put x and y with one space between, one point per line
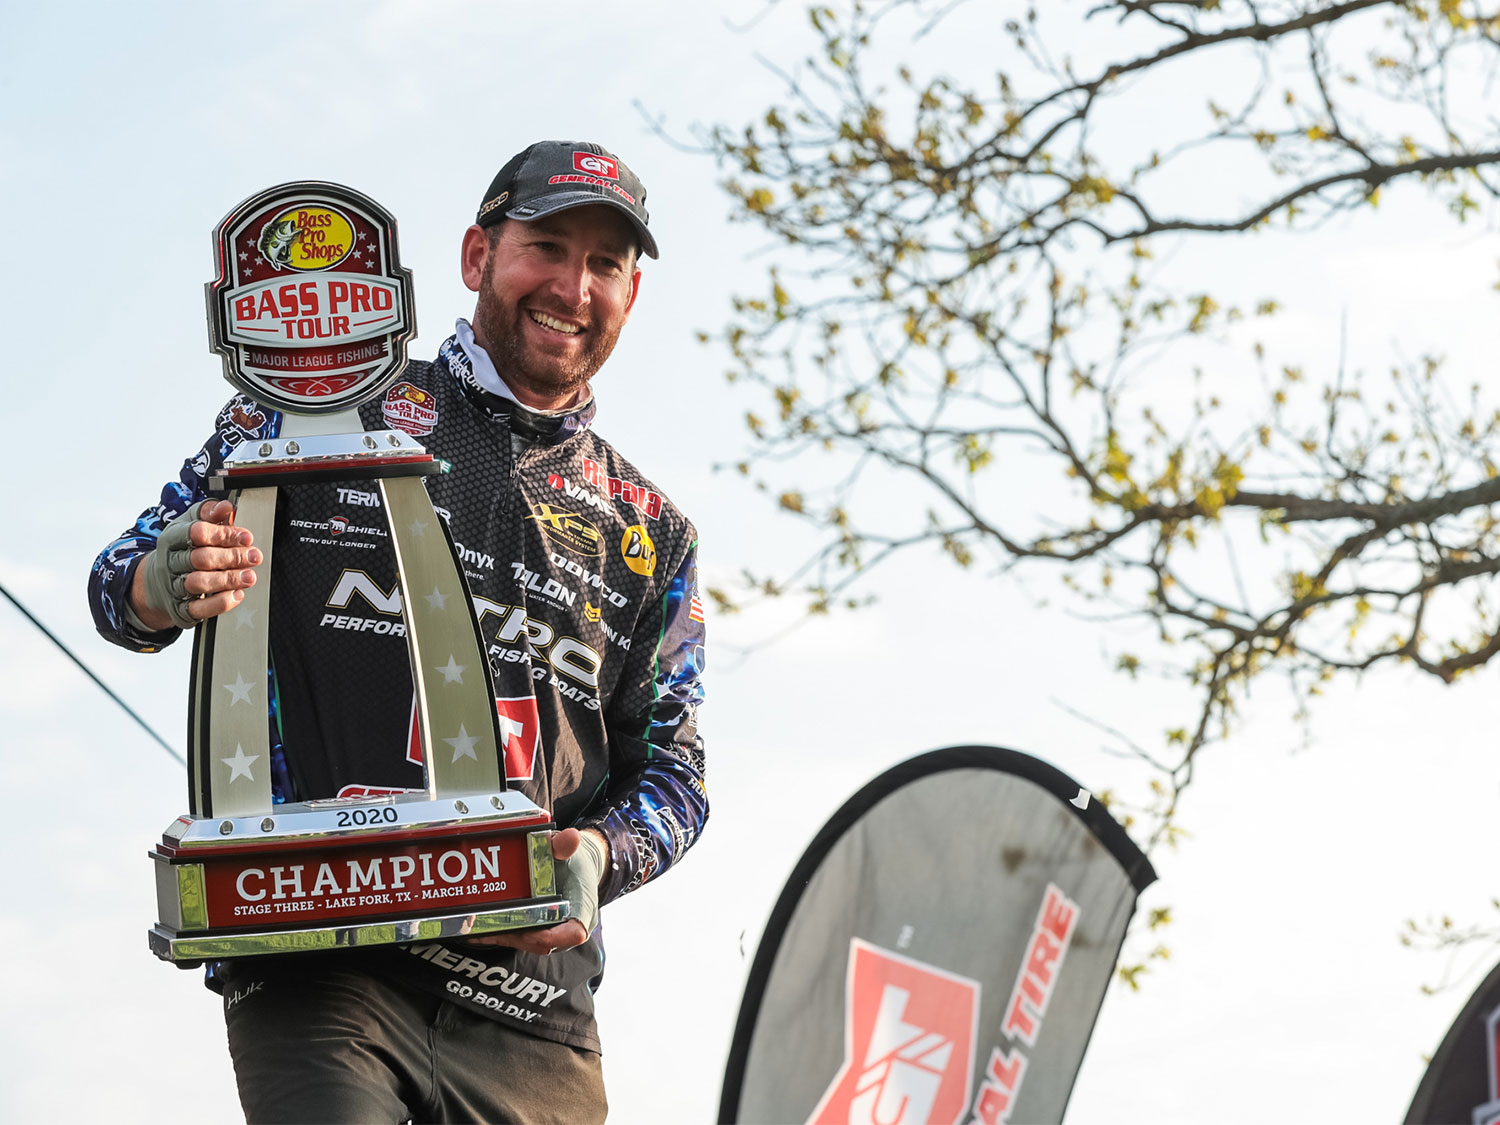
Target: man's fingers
204 608
217 511
225 558
214 533
565 843
564 935
208 582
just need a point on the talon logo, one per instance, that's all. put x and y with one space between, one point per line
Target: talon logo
569 530
596 165
909 1038
638 551
592 612
520 734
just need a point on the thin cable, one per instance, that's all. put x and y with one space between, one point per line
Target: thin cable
46 632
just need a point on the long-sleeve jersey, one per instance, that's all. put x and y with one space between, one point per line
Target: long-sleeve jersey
584 581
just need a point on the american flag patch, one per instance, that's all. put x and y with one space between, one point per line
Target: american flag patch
695 610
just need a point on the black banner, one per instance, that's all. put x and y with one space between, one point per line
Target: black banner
1461 1081
940 952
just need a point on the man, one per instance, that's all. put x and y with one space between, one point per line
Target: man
584 578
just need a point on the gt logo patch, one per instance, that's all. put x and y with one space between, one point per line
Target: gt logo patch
908 1043
596 165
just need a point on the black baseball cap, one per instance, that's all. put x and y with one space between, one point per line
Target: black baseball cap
551 176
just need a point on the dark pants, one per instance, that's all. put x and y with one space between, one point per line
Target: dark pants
312 1043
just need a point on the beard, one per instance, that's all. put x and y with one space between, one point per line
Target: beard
499 329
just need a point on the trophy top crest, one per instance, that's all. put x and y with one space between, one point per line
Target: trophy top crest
311 309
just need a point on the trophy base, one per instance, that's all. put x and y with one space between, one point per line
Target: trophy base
188 951
347 873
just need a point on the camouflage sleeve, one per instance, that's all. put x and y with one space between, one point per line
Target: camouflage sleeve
114 569
656 804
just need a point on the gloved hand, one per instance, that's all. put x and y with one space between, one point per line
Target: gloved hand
167 567
578 880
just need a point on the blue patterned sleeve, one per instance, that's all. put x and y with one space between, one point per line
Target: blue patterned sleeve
114 569
656 803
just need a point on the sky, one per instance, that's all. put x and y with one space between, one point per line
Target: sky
127 131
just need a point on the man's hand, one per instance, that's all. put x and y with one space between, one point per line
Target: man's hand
582 857
201 567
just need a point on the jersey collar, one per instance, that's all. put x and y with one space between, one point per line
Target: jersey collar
471 367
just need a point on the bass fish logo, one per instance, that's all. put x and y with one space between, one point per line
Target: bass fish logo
908 1043
306 238
638 551
276 241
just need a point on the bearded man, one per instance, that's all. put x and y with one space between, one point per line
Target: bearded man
584 578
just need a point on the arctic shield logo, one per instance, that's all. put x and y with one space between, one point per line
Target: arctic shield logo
596 165
909 1037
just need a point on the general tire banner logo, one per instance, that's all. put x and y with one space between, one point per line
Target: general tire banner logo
908 1043
939 953
310 309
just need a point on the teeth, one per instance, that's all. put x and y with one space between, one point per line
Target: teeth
555 324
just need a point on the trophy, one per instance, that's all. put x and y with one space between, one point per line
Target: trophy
310 312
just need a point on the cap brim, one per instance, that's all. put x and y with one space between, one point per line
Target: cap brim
563 201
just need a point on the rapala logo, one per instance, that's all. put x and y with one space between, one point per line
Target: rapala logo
596 165
617 489
520 733
909 1040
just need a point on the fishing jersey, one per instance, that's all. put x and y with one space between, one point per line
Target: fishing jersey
584 582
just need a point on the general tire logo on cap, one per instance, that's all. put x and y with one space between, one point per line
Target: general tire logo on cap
311 309
909 1040
596 165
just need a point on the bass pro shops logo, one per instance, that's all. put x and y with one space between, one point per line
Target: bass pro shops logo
306 238
909 1040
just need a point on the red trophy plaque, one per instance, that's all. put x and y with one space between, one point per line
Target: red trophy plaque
310 312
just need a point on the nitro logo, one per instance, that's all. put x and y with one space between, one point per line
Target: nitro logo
596 165
616 489
1035 982
908 1043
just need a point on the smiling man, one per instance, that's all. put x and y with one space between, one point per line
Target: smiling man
584 579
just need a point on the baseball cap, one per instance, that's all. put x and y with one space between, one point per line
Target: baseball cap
551 176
